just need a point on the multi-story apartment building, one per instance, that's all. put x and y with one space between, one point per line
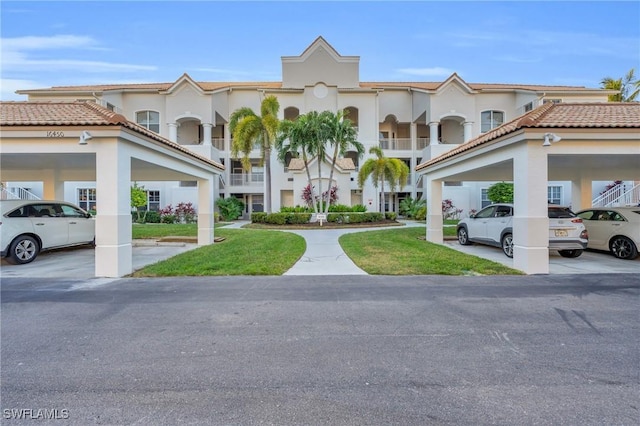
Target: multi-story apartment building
412 121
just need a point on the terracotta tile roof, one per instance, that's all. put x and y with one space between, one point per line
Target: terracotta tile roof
78 113
557 116
211 86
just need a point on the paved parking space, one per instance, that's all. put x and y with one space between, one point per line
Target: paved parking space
590 262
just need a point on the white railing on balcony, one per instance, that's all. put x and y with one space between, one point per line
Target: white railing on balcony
422 143
399 144
218 143
247 179
618 196
16 193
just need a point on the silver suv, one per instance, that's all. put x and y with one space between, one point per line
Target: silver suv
29 227
493 226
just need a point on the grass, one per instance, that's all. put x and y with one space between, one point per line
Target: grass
399 251
244 252
402 252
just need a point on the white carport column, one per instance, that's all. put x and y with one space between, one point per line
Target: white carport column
205 210
530 221
52 186
433 133
434 210
113 221
581 195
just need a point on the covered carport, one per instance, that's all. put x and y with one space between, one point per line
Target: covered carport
580 143
55 142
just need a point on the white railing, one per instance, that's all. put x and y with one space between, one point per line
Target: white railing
617 196
16 193
247 179
422 143
218 143
402 144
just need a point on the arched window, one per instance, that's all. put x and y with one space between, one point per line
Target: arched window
149 120
352 114
490 120
291 113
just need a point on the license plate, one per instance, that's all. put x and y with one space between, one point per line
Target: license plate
561 233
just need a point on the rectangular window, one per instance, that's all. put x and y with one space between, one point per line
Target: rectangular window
153 201
484 198
87 198
528 107
149 120
490 120
554 194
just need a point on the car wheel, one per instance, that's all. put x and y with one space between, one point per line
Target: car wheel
507 244
24 249
623 248
463 237
570 253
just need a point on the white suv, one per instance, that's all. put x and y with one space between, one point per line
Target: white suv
493 226
28 227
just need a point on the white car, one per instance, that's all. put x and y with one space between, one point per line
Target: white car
28 227
493 226
615 229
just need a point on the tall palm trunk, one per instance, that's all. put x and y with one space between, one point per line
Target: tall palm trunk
384 211
267 179
306 169
333 166
319 181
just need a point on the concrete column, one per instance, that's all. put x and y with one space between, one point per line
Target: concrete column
468 130
205 210
413 131
173 132
530 221
434 210
433 133
206 138
581 194
113 221
52 186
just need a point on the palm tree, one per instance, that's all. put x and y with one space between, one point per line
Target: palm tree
249 130
295 133
383 169
342 136
623 85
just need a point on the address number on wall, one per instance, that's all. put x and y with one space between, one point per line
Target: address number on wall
55 134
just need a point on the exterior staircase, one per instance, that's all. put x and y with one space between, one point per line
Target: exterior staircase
15 193
619 195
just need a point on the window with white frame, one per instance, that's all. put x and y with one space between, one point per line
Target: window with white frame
490 120
528 107
149 119
153 201
87 198
484 198
554 194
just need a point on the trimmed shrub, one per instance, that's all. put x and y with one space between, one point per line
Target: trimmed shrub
168 218
359 208
153 217
421 214
258 217
391 215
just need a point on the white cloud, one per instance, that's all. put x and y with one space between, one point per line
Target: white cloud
426 72
9 86
45 43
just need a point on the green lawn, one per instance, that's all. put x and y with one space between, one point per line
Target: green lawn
243 252
398 251
404 251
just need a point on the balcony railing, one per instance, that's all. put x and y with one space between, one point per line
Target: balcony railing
422 143
247 179
399 144
218 143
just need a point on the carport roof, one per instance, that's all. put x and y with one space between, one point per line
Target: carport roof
78 113
557 116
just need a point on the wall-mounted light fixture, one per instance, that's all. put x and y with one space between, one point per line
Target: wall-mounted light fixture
549 138
84 137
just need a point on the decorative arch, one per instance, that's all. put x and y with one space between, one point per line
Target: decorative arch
291 113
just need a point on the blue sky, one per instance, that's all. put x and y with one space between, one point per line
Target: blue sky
75 43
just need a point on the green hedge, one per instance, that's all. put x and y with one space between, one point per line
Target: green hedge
280 218
355 217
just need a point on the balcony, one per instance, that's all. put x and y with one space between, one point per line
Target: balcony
218 143
396 144
247 179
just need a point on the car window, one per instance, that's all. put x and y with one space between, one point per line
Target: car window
22 211
604 215
615 216
70 211
503 211
560 213
587 215
486 212
47 210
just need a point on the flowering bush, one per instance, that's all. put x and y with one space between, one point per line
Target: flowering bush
186 213
449 211
167 215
